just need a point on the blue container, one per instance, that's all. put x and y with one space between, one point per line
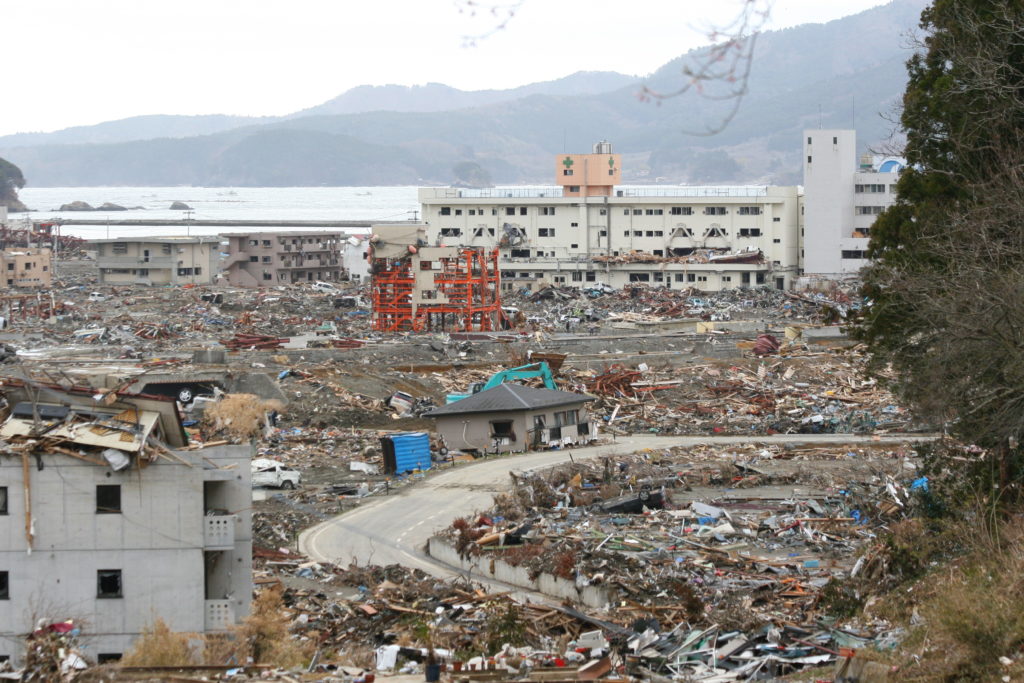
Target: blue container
405 452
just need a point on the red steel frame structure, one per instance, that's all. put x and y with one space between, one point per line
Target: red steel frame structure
471 283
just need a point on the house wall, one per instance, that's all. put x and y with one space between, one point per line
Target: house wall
157 541
473 431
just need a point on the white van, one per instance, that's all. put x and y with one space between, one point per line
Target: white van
325 287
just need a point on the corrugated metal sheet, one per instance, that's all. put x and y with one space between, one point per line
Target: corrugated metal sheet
406 452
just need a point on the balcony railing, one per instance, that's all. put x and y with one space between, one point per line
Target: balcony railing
219 615
219 532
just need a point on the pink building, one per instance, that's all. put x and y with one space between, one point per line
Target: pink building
266 259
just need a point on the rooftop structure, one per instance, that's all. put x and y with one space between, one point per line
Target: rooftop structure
27 267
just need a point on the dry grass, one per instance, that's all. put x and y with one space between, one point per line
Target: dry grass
239 416
972 614
265 637
160 646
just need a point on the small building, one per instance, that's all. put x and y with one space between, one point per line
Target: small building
102 522
157 260
26 267
512 417
268 259
355 258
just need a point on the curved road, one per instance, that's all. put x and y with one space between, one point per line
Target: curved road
394 529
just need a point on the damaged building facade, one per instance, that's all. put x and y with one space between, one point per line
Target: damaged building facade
157 260
417 287
268 259
104 524
587 229
30 267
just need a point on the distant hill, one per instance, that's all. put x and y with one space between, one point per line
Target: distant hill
134 128
845 73
434 97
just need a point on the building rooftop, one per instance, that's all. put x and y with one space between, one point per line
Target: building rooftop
179 239
553 192
509 397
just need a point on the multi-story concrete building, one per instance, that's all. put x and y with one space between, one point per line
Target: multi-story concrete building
117 535
841 201
31 267
157 260
588 230
265 259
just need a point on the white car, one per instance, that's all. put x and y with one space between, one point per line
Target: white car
274 474
325 287
96 296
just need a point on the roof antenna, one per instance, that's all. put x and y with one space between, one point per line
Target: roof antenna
819 116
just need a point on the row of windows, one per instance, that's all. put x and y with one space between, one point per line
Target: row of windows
28 266
854 254
108 499
873 188
550 211
108 584
868 210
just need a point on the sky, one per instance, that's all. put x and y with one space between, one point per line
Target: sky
81 62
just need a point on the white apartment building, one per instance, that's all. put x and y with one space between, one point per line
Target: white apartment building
710 238
841 201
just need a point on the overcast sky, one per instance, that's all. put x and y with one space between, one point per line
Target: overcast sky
79 62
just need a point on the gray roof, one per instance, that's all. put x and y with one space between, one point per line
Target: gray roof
509 397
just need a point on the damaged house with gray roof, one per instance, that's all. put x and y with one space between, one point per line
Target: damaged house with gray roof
515 418
107 519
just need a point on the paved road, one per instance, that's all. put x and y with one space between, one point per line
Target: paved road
395 528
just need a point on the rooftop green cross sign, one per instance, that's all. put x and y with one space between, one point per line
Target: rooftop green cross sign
567 162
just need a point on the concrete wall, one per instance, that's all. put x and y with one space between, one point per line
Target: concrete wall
158 261
268 259
25 268
157 541
485 565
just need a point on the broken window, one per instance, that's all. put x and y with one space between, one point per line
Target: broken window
545 232
852 254
715 231
502 429
458 212
750 211
451 232
591 276
254 259
520 253
522 210
750 232
682 210
5 587
715 211
639 277
445 211
108 583
108 499
3 500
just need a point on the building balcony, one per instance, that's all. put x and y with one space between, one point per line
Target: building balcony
136 262
219 532
218 615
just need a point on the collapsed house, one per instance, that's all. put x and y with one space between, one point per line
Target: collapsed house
105 524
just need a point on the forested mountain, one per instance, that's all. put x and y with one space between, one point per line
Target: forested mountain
845 73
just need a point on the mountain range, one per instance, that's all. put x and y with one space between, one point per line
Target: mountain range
845 73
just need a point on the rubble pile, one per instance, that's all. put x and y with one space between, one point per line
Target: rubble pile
729 559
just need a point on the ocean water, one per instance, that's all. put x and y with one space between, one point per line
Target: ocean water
216 203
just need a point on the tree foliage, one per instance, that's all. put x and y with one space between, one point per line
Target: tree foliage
947 281
11 180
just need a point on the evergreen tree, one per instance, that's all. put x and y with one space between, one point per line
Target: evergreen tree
947 281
